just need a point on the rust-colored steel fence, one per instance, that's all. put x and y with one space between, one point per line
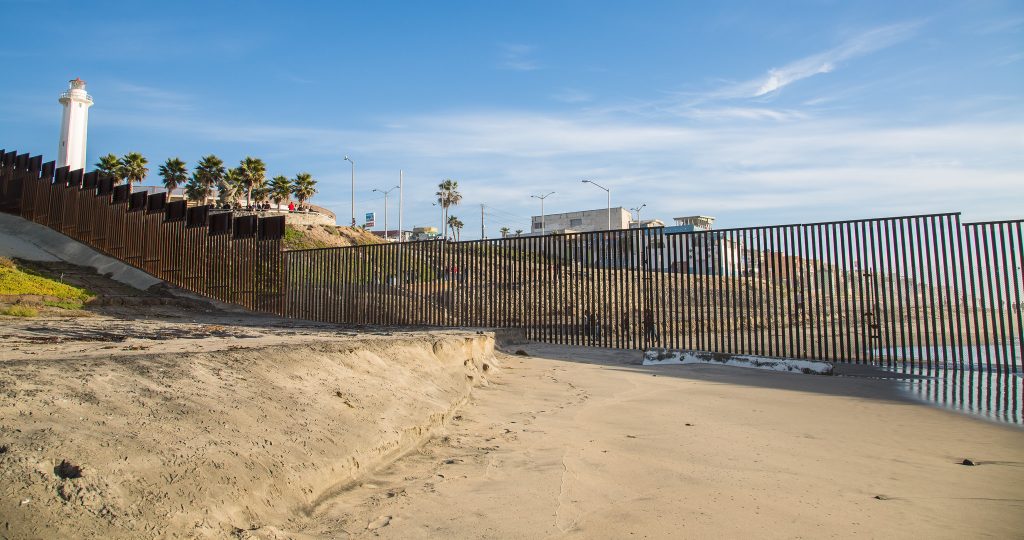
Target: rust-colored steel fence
235 259
922 290
921 293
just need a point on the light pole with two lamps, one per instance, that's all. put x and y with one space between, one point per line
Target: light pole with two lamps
543 226
385 192
637 210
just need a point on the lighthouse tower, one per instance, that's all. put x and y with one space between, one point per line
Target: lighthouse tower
74 126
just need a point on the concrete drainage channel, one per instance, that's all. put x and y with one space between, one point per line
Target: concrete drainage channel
657 357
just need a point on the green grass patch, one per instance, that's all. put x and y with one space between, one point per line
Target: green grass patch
19 311
66 304
14 281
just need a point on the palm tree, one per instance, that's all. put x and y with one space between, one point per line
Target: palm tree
209 173
280 190
458 230
195 190
519 232
261 194
133 167
456 226
448 195
111 166
303 187
253 175
174 173
230 187
504 232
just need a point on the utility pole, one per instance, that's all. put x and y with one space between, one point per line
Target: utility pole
483 236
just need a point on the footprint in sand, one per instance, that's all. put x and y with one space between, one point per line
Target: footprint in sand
382 521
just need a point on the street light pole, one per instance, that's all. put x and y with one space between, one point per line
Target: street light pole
637 210
348 159
543 225
385 192
609 193
401 198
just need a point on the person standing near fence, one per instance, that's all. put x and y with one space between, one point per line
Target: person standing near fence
650 329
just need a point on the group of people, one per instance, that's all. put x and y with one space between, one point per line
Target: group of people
591 327
252 207
260 207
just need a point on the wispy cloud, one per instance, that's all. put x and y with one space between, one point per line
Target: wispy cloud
151 97
742 113
518 57
823 62
572 95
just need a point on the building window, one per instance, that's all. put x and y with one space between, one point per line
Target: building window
576 222
536 225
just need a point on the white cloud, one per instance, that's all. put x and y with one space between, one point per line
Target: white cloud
517 57
730 163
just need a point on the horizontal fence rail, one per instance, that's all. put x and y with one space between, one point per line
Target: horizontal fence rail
922 293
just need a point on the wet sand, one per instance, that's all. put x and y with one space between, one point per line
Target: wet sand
585 444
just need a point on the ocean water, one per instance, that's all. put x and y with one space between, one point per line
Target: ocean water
988 383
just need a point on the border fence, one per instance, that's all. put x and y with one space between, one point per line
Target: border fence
919 293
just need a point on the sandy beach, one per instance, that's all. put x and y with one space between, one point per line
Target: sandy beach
577 443
215 425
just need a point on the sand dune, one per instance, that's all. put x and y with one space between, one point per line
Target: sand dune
209 430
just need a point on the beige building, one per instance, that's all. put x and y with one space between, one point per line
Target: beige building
584 221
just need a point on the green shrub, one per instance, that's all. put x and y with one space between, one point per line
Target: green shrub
66 304
20 311
14 281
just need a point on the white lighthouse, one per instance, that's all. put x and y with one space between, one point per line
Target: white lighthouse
74 127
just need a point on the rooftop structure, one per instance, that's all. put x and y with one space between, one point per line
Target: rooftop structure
699 223
646 224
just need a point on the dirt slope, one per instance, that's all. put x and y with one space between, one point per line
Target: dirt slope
122 429
318 236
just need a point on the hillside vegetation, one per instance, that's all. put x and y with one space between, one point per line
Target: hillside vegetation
27 291
320 236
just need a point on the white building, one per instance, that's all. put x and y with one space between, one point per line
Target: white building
584 221
74 127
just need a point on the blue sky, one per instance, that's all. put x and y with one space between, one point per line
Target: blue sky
754 112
